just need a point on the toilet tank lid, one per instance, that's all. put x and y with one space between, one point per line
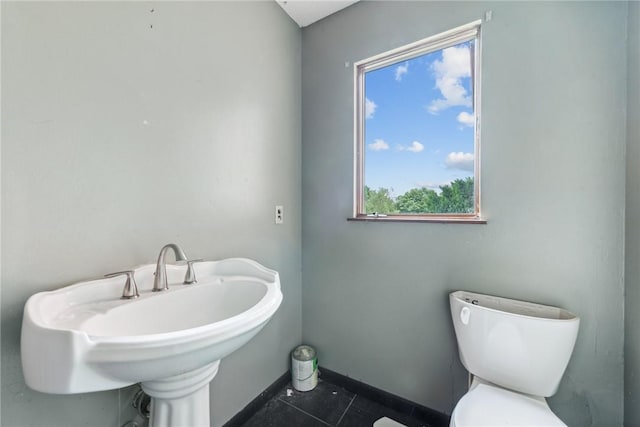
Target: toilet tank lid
489 405
514 307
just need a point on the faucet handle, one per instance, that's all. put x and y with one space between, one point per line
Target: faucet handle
130 288
190 277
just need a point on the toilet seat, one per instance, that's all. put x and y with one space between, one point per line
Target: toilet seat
488 405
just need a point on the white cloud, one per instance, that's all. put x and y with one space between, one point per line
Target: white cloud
401 70
466 119
378 145
416 147
435 186
369 108
460 160
449 72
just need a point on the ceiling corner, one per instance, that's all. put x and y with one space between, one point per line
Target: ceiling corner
306 12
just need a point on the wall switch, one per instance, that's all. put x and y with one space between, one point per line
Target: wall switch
279 214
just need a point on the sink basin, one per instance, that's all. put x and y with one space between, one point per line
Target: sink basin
84 338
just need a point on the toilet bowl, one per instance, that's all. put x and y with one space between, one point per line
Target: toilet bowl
517 353
487 405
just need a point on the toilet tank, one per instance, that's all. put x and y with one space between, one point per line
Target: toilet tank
518 345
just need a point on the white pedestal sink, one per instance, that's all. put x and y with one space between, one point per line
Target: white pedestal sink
84 338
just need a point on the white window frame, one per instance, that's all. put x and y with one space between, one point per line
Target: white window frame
434 43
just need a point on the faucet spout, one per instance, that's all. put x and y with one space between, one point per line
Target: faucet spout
160 281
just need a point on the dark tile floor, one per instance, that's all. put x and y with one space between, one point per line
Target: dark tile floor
326 405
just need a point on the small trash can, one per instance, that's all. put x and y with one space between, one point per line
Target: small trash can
304 368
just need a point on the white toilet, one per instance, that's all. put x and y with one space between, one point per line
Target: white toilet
517 353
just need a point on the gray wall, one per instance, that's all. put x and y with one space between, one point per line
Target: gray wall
118 138
632 227
110 128
553 160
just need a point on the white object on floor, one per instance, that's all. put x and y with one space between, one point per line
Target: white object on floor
304 368
387 422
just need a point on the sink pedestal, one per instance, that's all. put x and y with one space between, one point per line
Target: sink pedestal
181 400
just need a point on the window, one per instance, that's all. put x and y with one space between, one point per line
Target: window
417 128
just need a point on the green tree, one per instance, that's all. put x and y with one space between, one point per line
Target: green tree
418 200
378 201
457 197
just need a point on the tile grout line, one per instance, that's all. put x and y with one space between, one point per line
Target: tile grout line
304 412
345 411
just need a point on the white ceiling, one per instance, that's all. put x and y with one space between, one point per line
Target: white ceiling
306 12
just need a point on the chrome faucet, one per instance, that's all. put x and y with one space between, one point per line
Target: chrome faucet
160 281
190 276
130 288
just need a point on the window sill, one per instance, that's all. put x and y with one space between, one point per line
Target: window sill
420 218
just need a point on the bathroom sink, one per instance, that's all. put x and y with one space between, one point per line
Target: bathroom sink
85 338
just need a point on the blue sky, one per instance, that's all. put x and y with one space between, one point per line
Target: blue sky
419 121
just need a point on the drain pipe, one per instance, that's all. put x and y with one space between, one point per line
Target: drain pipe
142 403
